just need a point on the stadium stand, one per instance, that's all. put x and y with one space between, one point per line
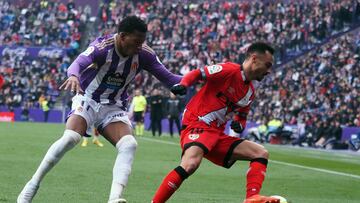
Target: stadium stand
191 35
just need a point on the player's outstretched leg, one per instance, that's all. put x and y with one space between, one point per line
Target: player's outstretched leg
126 147
170 184
52 157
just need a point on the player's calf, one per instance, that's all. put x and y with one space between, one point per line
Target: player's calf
122 168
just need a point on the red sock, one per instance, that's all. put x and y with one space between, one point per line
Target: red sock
170 184
255 176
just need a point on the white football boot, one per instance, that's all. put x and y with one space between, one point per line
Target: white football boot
120 200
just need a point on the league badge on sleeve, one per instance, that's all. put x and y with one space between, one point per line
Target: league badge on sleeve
214 69
88 51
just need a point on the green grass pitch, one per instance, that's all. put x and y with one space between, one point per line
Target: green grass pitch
84 174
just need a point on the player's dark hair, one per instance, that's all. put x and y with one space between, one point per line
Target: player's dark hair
259 47
131 24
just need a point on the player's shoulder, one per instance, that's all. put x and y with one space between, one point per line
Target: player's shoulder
103 42
230 65
147 49
222 67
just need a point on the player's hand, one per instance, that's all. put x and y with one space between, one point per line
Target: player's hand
73 84
237 127
178 89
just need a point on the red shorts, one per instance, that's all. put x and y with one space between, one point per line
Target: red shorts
218 147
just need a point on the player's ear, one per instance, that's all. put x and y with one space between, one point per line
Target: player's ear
253 57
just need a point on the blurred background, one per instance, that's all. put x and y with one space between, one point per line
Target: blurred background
311 98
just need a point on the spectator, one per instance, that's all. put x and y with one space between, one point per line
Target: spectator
156 102
173 109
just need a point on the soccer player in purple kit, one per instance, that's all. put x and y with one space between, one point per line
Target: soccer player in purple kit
100 76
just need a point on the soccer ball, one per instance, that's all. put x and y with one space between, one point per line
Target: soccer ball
282 200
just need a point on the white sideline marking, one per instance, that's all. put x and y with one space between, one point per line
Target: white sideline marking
273 161
159 141
317 169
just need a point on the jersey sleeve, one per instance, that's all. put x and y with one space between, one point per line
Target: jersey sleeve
84 60
217 72
153 65
191 77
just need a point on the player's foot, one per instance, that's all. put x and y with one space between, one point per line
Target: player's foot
84 143
120 200
261 199
28 193
98 143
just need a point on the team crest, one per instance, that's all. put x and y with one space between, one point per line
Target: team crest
134 66
214 69
194 136
80 109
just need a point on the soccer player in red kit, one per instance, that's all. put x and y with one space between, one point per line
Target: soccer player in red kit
226 94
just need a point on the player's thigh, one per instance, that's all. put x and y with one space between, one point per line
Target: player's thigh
81 115
113 123
206 139
191 158
248 150
113 132
222 152
77 124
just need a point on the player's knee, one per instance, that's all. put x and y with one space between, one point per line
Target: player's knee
127 143
71 138
261 153
191 165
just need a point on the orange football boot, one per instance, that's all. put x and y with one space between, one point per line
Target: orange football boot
261 199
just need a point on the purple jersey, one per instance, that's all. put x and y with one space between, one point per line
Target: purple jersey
105 74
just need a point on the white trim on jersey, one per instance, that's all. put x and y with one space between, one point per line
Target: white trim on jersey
218 115
94 84
243 102
119 69
129 78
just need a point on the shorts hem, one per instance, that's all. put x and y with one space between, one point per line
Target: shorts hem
227 163
202 146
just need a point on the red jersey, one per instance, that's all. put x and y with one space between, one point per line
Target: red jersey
225 95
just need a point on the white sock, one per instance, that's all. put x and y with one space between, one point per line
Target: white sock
122 168
55 153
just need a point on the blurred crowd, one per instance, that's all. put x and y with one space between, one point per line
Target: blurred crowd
187 35
27 79
324 83
42 23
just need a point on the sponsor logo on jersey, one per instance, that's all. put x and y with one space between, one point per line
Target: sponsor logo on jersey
214 69
114 81
194 136
88 51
